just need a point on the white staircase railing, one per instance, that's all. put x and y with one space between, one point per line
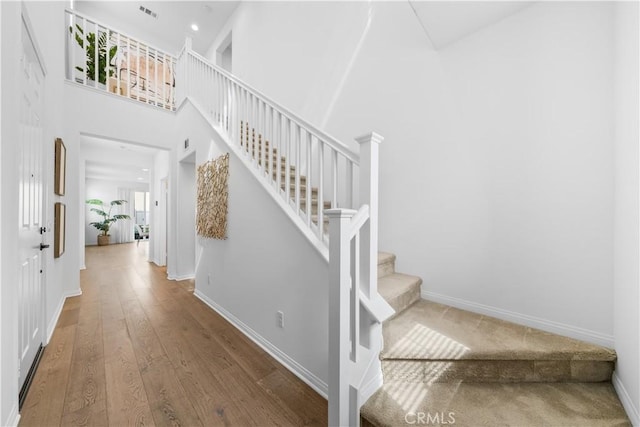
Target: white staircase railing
356 309
103 58
308 172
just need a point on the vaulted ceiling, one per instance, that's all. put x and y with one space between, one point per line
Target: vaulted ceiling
171 24
446 22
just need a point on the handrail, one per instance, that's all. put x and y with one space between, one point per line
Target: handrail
305 169
340 146
120 64
102 24
377 307
359 218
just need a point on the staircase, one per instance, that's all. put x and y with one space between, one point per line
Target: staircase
252 143
445 366
439 365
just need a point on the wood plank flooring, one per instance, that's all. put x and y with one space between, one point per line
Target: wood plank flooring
138 349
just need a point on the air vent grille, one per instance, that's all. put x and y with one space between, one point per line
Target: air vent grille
148 11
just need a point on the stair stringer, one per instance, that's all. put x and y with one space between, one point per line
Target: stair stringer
366 378
264 181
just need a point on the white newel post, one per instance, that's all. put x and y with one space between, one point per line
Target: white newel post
369 161
339 315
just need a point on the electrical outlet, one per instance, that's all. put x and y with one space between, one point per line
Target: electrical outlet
280 319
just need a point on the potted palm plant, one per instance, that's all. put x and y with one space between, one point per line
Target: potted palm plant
96 49
107 219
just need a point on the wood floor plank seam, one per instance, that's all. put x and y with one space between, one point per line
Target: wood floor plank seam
138 349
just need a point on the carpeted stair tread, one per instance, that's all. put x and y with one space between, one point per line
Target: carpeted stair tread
399 290
495 404
386 264
432 331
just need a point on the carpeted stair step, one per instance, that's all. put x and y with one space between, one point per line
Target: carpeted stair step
303 190
494 404
399 290
431 342
386 264
314 205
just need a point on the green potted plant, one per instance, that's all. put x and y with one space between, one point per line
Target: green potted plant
89 45
107 219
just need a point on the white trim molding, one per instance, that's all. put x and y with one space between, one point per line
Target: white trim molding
523 319
633 412
183 277
297 369
14 416
54 320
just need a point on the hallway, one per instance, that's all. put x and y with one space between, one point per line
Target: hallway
138 349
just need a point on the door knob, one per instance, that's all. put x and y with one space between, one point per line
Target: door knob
43 246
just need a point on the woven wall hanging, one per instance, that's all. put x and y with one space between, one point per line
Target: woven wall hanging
213 194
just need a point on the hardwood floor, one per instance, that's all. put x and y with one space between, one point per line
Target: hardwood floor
138 349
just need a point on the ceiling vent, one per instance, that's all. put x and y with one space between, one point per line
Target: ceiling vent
148 12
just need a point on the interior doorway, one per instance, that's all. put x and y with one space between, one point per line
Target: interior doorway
186 221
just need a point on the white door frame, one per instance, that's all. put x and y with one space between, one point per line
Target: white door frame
28 36
163 222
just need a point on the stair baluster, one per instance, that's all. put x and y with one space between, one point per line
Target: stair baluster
312 172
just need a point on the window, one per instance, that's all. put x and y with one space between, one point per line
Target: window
141 207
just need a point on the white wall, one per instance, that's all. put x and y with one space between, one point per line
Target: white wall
2 417
264 265
158 237
305 50
626 209
497 170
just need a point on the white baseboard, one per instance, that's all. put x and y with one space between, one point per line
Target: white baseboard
184 277
83 267
297 369
633 412
54 320
14 416
158 262
523 319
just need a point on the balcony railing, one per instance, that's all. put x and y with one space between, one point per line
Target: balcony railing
101 57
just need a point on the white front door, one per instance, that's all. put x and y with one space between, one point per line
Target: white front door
31 193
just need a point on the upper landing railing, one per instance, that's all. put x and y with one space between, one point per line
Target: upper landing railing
103 58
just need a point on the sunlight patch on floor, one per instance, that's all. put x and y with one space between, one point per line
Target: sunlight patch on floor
415 383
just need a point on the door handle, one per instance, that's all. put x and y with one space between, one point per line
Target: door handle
43 246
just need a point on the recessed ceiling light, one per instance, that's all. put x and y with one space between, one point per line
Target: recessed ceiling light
140 179
194 27
145 170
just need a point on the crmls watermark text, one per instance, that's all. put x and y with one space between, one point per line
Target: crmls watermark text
430 418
